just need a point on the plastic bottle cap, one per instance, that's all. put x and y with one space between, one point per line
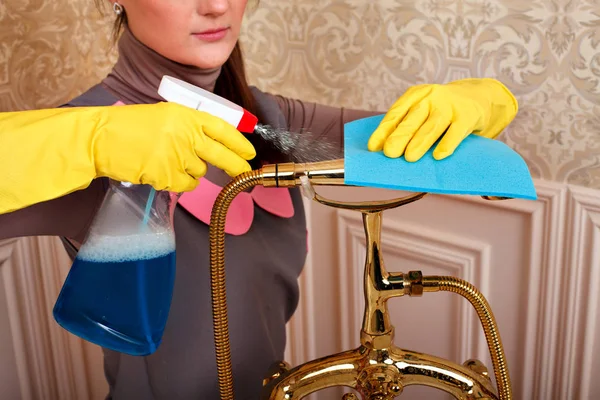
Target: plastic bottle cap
181 92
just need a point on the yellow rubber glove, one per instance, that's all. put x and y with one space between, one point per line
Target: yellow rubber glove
46 154
425 112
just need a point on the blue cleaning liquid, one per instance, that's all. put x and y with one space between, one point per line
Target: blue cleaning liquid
118 292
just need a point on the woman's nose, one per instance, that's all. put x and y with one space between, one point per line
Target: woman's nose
213 7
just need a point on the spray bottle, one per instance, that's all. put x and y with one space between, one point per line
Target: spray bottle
118 291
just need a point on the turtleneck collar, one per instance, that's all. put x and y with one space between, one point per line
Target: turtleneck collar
136 76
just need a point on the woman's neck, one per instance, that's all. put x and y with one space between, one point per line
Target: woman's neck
137 74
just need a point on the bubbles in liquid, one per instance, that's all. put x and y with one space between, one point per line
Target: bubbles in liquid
102 248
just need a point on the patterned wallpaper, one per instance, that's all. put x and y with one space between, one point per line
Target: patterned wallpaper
362 54
50 51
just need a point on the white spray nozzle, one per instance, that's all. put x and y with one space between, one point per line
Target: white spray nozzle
180 92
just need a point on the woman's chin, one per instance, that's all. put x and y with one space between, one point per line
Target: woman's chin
206 59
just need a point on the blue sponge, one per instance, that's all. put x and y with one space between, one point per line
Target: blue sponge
479 166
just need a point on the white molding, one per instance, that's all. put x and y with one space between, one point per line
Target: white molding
581 297
301 330
50 362
7 247
465 258
545 279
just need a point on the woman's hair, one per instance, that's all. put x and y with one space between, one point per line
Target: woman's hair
231 84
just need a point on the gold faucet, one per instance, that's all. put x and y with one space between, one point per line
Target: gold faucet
377 369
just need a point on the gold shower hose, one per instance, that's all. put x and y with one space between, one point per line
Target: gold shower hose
217 276
490 328
250 179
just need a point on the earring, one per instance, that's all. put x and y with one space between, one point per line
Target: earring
117 8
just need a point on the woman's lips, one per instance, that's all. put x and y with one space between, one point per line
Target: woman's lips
212 35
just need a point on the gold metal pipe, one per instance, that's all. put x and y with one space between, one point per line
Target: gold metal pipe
379 287
378 375
329 173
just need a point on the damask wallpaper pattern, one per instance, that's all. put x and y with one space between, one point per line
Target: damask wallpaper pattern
362 54
50 50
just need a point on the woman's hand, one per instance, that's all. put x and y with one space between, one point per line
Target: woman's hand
451 111
45 154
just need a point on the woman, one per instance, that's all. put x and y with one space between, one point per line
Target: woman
197 41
